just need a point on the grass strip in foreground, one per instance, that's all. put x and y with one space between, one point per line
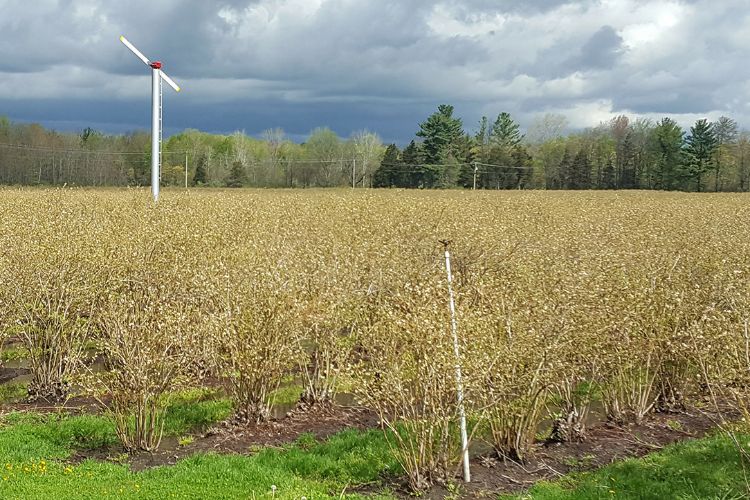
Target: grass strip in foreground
33 449
708 468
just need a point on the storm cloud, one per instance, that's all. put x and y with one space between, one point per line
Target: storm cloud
382 65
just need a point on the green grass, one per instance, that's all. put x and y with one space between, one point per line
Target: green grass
195 409
31 435
317 470
35 447
707 468
286 395
12 392
13 354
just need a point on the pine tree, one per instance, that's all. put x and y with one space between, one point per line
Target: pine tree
482 140
608 175
416 173
580 172
389 174
669 139
522 166
441 133
699 150
199 179
505 132
504 139
237 175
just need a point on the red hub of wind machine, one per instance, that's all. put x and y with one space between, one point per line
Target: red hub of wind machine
156 64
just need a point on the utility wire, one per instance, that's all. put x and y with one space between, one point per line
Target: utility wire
77 151
93 152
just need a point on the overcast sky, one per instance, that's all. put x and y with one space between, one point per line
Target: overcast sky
382 65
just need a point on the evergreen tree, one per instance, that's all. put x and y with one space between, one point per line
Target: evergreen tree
441 133
565 171
389 173
466 154
580 171
199 178
482 141
521 163
627 163
505 132
608 175
669 139
699 150
237 176
415 172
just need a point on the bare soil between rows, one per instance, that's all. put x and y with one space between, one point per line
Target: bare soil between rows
605 443
228 437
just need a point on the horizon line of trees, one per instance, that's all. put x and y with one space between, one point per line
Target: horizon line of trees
617 154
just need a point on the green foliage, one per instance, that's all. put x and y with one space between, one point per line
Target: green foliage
622 154
441 132
11 393
699 151
669 138
505 132
196 409
29 436
389 173
200 177
705 468
14 354
415 173
286 394
580 171
33 448
237 175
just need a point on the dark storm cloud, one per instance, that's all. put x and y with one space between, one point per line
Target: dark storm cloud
601 51
382 65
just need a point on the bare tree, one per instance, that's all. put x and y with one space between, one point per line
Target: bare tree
368 151
546 128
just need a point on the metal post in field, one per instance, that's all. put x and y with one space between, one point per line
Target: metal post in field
459 379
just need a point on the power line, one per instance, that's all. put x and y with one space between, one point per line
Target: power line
494 165
501 166
41 149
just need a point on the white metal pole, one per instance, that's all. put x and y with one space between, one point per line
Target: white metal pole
459 380
155 105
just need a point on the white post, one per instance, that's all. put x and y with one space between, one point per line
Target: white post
457 354
155 105
476 167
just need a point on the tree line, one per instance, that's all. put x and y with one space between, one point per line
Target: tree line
33 155
617 154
